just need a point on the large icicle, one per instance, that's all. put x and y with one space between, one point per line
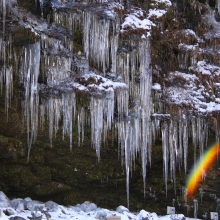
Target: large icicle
68 112
145 102
101 110
185 142
171 152
165 147
29 79
6 72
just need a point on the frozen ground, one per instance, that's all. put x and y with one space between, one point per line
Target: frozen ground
22 209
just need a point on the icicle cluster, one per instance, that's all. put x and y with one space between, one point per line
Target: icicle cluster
135 131
56 108
100 33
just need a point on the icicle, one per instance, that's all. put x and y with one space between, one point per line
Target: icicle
180 139
165 148
127 158
81 124
108 109
122 103
96 109
172 151
3 17
101 111
8 88
218 5
194 136
68 112
114 44
185 142
28 78
145 102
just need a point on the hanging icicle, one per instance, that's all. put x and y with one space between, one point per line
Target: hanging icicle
29 72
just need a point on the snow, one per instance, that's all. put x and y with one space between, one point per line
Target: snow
166 2
133 22
100 85
156 86
136 19
27 208
192 93
207 69
156 13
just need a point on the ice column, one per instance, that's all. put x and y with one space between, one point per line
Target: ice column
185 142
28 78
172 151
165 147
81 123
145 102
102 110
8 88
6 73
68 111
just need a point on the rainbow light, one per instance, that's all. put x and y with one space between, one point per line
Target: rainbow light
202 165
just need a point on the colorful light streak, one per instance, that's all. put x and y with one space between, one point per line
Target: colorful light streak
202 166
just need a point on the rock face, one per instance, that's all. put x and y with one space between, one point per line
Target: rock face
134 80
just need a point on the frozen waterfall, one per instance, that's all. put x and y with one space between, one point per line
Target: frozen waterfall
92 77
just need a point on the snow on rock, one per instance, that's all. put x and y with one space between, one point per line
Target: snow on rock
138 19
166 2
121 209
187 89
135 20
156 86
92 83
207 69
115 5
88 206
156 13
84 211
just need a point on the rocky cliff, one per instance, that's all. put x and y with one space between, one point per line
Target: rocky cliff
117 97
